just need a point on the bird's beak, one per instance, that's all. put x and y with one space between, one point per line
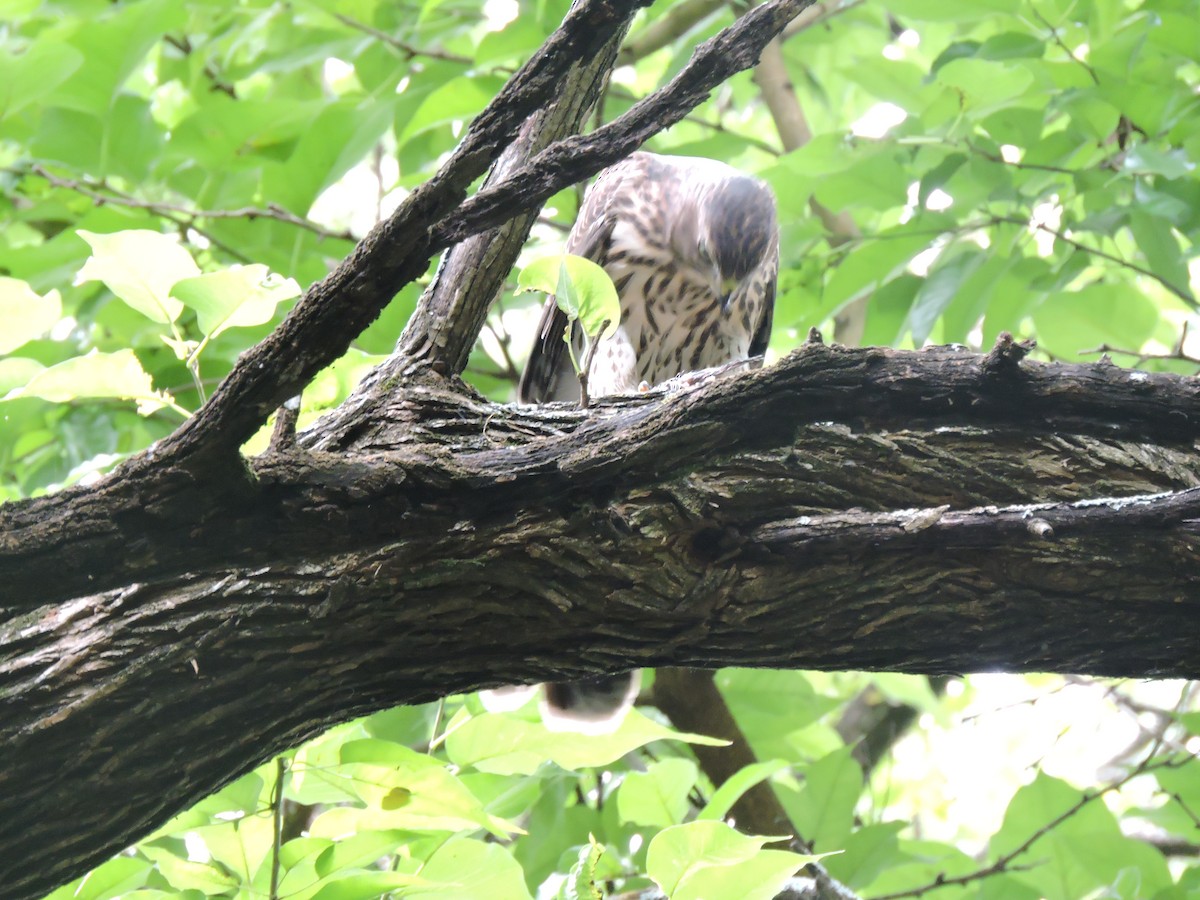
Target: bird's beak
728 286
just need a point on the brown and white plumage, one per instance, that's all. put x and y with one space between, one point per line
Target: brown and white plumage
693 249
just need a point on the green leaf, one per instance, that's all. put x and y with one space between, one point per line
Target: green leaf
500 743
113 879
1115 314
1145 159
735 786
115 376
25 314
581 881
140 267
1082 853
867 852
1190 721
405 789
984 84
1156 240
465 868
358 850
581 289
367 886
938 291
876 262
712 861
16 372
239 296
27 77
823 808
186 875
658 796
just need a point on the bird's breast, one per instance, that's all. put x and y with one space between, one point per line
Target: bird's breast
671 321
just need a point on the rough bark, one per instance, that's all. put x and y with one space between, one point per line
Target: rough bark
752 518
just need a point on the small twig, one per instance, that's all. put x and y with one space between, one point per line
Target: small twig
103 193
277 825
1094 251
586 367
1004 862
283 438
495 325
997 158
409 51
1176 353
1062 44
819 14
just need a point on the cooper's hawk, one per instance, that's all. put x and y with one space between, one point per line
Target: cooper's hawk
693 249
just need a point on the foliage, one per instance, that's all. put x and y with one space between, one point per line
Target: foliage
1028 167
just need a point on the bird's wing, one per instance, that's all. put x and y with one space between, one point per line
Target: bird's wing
549 375
762 334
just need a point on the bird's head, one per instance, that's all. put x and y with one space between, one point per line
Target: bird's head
729 234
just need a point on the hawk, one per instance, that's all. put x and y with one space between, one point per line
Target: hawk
692 247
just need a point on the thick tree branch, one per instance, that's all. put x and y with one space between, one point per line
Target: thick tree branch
732 519
392 579
336 309
452 312
58 546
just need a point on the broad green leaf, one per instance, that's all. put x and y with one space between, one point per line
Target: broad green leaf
733 788
866 853
25 315
876 262
581 880
140 267
16 372
1081 854
1190 721
496 742
404 789
911 690
823 808
713 861
658 796
465 868
240 846
27 77
985 84
358 851
97 376
108 881
186 875
581 288
237 296
367 886
770 706
938 291
459 99
1146 159
1156 240
1116 314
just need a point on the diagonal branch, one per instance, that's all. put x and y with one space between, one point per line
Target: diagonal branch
336 309
733 50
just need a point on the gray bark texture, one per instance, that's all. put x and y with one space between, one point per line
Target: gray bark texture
194 613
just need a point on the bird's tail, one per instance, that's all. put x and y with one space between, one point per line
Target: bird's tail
593 706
